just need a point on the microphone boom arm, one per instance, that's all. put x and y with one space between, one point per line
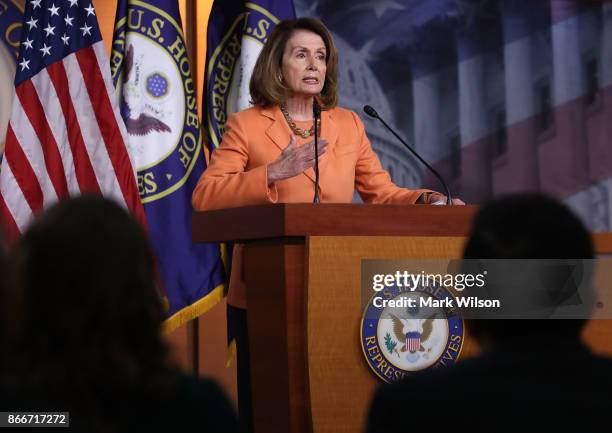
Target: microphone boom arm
372 113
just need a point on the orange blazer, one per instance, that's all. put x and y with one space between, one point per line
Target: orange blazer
255 137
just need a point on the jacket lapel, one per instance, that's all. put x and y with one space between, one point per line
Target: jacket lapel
278 131
329 131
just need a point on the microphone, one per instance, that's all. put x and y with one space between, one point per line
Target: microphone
372 113
316 111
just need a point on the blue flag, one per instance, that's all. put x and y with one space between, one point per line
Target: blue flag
237 30
11 17
152 72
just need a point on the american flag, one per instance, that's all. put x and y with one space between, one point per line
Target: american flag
66 136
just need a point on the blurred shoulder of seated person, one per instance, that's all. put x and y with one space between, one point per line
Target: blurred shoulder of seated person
92 315
533 374
9 328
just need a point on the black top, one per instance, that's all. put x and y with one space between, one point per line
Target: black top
190 404
560 389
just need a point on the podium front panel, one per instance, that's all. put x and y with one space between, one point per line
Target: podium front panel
340 381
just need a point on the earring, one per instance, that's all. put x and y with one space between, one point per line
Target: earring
280 77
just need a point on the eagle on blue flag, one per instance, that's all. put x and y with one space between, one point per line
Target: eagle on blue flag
153 76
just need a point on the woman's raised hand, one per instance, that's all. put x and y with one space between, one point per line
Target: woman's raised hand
294 159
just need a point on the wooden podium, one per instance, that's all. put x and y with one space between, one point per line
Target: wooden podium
302 266
300 262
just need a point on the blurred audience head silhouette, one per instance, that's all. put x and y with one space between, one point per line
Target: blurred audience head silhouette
91 312
9 316
90 340
530 369
529 226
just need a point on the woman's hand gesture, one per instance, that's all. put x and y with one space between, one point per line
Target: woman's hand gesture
294 160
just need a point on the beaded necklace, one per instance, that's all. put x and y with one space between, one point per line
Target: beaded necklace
304 133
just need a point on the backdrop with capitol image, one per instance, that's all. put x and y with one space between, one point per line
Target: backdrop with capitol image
500 96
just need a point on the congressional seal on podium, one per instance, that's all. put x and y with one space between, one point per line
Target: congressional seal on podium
404 332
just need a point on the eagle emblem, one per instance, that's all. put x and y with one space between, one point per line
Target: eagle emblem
404 338
137 121
412 333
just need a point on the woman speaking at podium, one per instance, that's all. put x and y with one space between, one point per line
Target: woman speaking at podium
267 154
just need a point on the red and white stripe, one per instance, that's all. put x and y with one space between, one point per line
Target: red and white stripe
66 137
413 341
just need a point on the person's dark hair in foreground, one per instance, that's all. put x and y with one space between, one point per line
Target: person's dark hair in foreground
533 375
91 341
9 322
527 227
